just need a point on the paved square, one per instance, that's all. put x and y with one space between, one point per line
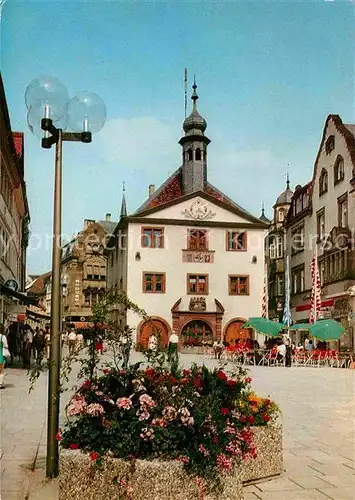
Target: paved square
318 407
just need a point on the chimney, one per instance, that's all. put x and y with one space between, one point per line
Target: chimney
151 189
108 217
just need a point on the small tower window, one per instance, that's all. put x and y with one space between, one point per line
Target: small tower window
189 154
198 154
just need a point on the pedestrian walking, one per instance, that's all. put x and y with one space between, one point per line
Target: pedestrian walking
4 354
99 345
288 355
27 346
152 343
39 343
125 346
173 347
72 340
47 343
13 341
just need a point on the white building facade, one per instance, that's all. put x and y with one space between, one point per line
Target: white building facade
189 256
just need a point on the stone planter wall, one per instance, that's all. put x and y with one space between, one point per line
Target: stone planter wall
269 460
148 480
158 480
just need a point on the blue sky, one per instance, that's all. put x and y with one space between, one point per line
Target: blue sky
269 73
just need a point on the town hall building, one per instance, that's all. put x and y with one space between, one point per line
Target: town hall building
191 257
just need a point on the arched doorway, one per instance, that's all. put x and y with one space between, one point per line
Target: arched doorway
196 332
156 326
234 331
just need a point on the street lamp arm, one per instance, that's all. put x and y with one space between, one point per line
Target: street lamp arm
47 142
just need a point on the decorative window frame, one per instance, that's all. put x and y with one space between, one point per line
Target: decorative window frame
338 161
153 273
245 241
152 239
230 277
197 275
323 175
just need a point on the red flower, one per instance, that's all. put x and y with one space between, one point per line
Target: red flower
106 371
214 439
94 455
251 419
267 402
198 383
266 418
224 411
243 419
221 375
186 373
59 436
150 372
231 383
86 384
247 380
74 446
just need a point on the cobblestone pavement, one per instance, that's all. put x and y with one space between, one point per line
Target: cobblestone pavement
318 406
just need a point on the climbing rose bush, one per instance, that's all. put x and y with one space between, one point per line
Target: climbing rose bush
200 417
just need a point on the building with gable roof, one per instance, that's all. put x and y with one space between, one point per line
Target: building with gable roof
14 215
84 270
322 218
275 254
191 257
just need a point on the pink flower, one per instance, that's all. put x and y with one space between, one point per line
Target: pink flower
147 434
124 403
95 410
233 448
224 463
77 405
169 413
159 422
146 400
143 416
184 460
203 450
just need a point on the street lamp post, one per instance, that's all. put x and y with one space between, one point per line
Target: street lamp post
49 110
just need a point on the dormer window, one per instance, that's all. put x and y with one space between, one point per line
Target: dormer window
281 215
338 170
323 182
330 144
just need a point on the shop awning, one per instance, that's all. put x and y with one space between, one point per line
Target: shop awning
18 295
307 307
36 315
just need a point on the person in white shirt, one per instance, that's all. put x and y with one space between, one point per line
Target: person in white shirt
152 343
173 347
281 352
4 354
72 341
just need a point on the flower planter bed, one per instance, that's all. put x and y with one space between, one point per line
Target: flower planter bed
162 433
269 454
117 479
164 480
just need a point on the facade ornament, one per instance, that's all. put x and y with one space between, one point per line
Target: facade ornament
197 304
198 211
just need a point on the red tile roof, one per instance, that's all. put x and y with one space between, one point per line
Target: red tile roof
18 142
38 287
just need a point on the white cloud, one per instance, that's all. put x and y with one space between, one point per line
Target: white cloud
139 143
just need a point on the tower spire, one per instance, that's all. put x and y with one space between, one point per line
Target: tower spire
262 209
194 95
123 204
288 177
